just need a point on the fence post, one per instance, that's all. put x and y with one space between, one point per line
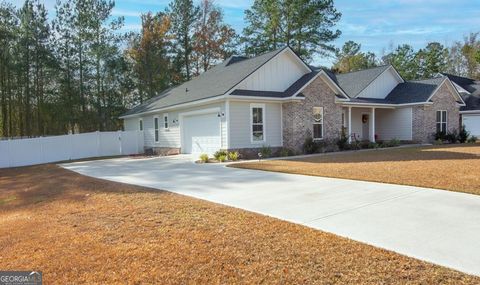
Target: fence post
120 141
98 143
9 147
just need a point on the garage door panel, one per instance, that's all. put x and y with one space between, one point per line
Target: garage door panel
202 134
472 124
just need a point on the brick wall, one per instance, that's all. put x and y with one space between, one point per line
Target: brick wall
298 116
424 117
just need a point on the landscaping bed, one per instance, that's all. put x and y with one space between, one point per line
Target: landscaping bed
77 229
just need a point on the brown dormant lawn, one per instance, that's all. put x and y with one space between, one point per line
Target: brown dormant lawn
453 167
82 230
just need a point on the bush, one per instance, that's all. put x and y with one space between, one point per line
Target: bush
220 153
310 146
222 158
286 152
438 142
439 136
472 139
392 143
233 155
463 134
204 158
451 137
342 142
266 151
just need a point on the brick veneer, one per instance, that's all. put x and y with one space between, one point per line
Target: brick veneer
298 116
424 117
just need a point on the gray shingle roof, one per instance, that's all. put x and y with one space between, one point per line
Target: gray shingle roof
414 91
354 82
212 83
472 100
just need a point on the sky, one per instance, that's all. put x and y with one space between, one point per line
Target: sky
375 24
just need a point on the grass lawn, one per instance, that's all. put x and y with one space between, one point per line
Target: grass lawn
83 230
453 167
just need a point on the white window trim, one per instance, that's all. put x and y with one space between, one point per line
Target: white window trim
163 122
314 123
156 139
256 105
140 123
441 122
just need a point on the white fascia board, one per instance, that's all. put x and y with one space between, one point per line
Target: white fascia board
470 112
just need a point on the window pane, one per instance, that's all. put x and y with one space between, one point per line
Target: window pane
317 131
444 117
156 123
439 116
439 127
165 120
444 127
257 114
156 135
258 136
141 125
318 114
258 128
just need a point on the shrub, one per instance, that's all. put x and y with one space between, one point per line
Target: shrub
233 155
204 158
463 134
342 142
472 139
439 136
220 153
266 151
438 142
392 143
222 158
451 137
310 146
286 152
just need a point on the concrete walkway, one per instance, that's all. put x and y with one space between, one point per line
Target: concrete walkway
438 226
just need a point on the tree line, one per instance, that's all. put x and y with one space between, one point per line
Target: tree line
77 70
461 58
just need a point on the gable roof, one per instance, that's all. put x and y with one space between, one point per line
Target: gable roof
414 91
215 82
353 83
472 100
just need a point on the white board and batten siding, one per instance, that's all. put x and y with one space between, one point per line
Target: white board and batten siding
276 75
381 86
394 124
171 137
240 125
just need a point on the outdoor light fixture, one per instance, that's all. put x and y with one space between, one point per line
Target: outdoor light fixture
222 114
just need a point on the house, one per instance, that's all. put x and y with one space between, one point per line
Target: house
277 100
470 91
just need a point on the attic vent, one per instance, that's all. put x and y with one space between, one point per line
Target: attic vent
234 59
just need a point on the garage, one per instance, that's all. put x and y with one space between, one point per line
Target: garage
472 123
201 134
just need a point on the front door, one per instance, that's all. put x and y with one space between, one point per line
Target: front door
365 127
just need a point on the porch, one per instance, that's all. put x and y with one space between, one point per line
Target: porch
377 123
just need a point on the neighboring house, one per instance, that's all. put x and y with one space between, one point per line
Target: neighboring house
470 91
277 100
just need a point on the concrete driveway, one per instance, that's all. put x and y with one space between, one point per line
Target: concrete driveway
437 226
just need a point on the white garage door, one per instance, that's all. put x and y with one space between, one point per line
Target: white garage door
472 124
201 134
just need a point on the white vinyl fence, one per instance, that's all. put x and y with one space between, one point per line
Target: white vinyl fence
24 152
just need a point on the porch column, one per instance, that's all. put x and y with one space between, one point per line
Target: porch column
372 126
349 124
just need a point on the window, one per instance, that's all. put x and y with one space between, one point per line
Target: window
165 121
257 113
156 124
140 125
317 123
441 121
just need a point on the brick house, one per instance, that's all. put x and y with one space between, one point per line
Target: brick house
277 100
